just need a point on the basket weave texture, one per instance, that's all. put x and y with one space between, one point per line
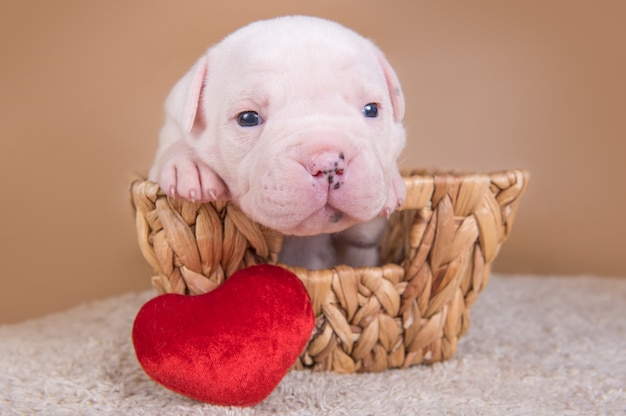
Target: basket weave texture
436 254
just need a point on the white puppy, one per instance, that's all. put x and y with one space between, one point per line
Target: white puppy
298 120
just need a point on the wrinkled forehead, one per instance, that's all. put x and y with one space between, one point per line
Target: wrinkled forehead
277 78
267 53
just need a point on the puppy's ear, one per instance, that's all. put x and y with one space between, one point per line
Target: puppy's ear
393 86
184 102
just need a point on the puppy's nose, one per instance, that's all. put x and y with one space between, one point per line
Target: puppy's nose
327 165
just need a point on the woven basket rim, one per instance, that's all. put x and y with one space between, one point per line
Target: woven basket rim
415 175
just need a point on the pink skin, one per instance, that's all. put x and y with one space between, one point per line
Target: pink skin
314 163
183 175
326 182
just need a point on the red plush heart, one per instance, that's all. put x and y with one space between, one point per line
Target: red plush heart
231 346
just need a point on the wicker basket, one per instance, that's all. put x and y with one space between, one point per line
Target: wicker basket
436 255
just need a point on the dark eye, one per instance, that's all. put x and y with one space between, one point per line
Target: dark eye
249 119
370 110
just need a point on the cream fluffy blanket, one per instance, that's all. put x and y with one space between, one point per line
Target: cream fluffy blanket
537 346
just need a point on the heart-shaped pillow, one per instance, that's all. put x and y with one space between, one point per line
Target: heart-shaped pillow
231 346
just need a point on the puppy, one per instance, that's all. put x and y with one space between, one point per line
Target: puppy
298 121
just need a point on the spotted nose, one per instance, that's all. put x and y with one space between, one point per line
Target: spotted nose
328 166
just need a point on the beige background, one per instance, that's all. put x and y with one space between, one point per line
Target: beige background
489 85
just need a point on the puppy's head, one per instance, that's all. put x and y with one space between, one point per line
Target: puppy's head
302 119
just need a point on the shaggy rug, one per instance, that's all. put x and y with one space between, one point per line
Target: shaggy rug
537 346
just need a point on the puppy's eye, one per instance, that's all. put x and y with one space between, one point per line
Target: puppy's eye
249 119
370 110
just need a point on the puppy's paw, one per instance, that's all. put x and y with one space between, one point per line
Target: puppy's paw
396 194
184 177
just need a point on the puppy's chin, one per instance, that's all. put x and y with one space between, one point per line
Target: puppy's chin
326 220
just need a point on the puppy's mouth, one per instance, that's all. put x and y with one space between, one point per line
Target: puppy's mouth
325 220
292 200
